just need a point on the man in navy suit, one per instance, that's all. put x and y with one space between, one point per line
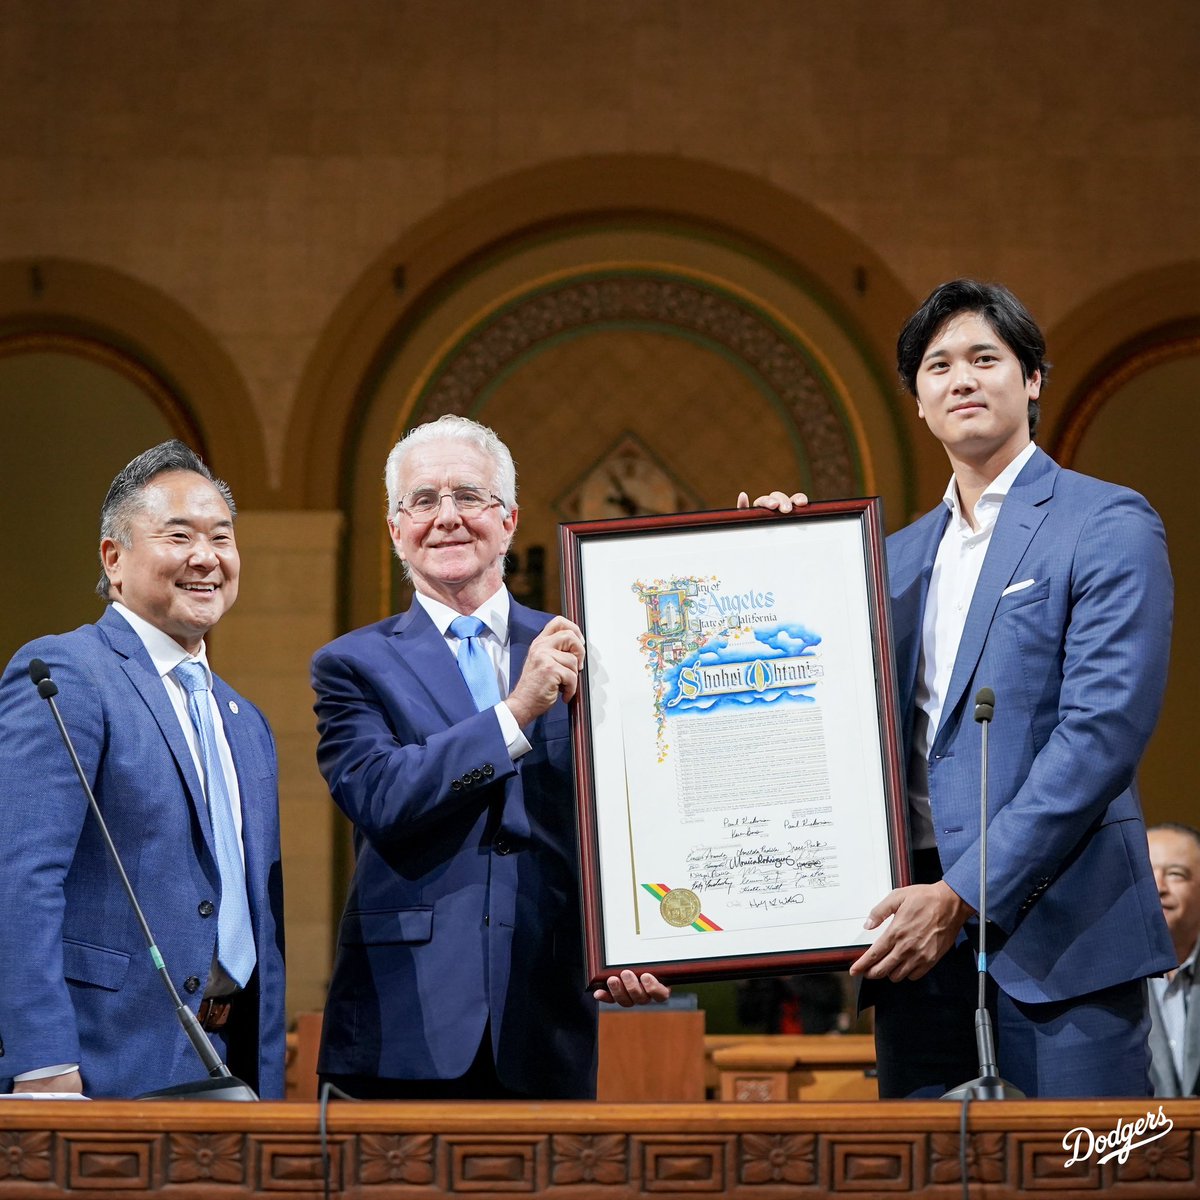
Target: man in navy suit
1054 590
81 1006
445 740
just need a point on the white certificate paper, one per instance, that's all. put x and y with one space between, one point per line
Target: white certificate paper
743 761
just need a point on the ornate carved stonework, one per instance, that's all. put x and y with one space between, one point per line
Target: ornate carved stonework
670 303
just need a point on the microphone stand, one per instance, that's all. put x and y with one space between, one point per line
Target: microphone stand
987 1085
221 1084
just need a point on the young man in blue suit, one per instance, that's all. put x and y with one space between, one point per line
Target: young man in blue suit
192 809
1053 589
459 970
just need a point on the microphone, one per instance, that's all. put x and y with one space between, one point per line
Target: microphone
221 1084
987 1085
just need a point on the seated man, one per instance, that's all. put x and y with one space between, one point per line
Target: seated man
1175 997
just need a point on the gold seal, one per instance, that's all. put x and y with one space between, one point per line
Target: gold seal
680 907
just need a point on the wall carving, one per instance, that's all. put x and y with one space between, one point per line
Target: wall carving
667 302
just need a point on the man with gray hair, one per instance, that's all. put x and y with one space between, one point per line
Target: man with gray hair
184 771
444 738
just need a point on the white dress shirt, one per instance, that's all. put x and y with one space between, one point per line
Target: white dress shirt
951 589
494 613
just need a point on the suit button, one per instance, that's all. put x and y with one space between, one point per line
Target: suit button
191 985
205 908
477 775
456 785
488 770
501 845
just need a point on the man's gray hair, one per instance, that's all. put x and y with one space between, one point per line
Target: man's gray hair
1177 827
451 428
127 493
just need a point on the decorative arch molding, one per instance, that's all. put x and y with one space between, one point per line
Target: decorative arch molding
665 301
740 212
1115 335
152 385
102 315
1153 348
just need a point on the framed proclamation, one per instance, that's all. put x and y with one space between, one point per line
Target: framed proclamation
737 756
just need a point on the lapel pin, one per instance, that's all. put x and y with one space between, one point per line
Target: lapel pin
233 707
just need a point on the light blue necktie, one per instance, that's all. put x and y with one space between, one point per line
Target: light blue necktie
475 663
235 935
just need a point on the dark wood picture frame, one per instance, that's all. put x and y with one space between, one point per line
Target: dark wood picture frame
583 595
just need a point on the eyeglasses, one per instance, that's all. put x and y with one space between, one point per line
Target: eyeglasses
424 504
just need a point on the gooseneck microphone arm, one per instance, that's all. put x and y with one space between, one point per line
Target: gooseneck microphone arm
39 673
988 1085
985 710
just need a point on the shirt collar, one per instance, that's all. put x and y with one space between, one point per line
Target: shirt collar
1189 963
165 652
493 612
995 491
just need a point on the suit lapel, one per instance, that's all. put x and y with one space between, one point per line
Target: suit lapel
414 639
1020 516
910 573
523 626
146 682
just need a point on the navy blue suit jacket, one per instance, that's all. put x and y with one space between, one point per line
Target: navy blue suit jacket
78 982
1077 658
464 904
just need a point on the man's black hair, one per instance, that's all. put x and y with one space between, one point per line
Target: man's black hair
125 493
995 304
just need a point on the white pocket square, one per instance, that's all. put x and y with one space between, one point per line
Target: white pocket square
1017 587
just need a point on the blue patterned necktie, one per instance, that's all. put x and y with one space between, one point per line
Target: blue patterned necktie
235 935
475 663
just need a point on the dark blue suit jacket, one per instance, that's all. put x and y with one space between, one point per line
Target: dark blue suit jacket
78 984
1077 658
464 904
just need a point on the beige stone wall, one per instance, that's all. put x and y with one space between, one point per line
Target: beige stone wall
251 159
286 610
233 183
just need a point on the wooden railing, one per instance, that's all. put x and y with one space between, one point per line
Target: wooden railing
783 1151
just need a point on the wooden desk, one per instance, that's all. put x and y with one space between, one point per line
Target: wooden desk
650 1054
823 1067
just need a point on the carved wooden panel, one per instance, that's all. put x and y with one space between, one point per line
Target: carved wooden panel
687 1165
113 1162
294 1165
109 1151
205 1157
874 1165
492 1165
